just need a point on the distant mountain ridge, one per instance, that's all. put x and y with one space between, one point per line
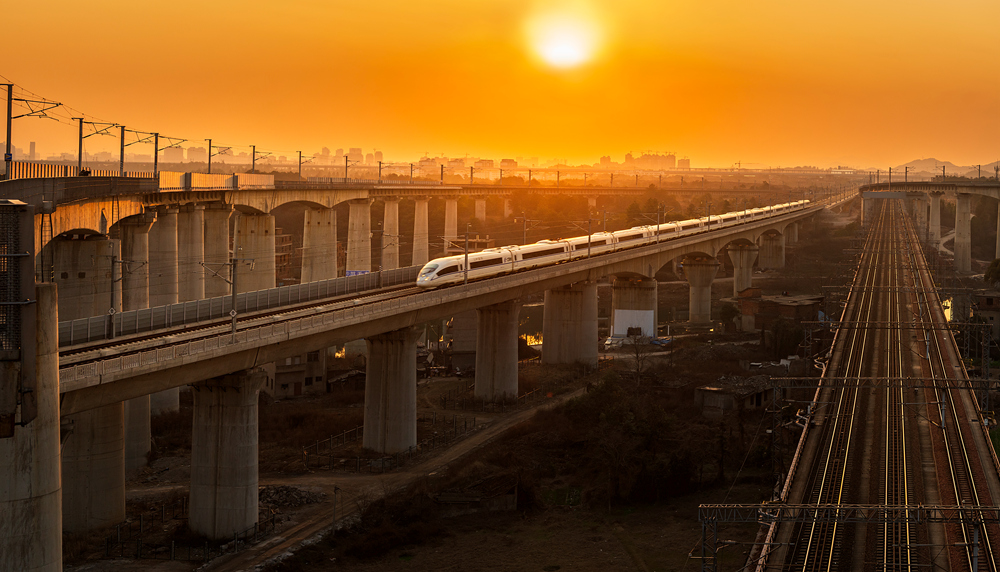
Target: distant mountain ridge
933 166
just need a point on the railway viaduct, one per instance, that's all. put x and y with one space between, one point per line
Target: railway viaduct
93 399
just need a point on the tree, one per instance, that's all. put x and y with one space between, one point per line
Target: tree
992 276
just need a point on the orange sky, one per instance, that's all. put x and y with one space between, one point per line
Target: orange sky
768 83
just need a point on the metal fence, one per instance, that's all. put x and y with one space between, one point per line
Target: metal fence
98 328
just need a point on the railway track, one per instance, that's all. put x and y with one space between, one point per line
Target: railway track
893 444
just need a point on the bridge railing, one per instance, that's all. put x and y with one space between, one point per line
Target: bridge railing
98 328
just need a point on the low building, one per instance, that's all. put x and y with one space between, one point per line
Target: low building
508 164
300 375
759 312
986 304
734 394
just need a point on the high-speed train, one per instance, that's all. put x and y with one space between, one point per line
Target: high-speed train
506 259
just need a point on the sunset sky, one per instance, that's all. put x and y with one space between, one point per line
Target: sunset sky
768 83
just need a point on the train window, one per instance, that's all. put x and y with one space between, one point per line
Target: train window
486 262
538 253
448 270
429 269
630 236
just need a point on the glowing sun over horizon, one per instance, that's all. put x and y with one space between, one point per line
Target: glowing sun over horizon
564 39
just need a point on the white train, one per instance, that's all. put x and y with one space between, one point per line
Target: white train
503 260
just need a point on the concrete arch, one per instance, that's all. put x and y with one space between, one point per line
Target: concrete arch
265 200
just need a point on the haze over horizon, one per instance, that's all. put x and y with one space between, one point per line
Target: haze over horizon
767 85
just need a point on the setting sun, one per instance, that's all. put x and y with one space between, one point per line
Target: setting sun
563 39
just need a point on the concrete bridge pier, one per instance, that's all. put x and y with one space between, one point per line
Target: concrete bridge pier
997 251
254 241
450 222
191 253
163 258
700 273
135 296
920 204
507 208
481 209
319 244
743 257
31 495
93 469
359 237
591 204
792 233
569 324
86 276
224 454
135 261
963 233
496 351
217 250
633 304
934 226
390 235
772 251
391 391
420 247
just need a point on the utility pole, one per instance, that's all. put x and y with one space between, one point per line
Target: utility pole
380 171
557 178
121 154
411 173
345 168
466 279
300 165
944 177
471 171
637 180
589 235
253 158
606 220
906 174
79 148
612 180
442 174
501 177
7 156
210 172
156 153
529 177
524 235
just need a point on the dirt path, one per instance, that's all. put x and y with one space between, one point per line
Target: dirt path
351 487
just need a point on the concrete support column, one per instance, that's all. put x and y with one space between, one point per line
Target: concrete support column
507 208
743 257
591 204
217 249
359 237
163 258
224 455
191 253
920 205
30 496
772 251
390 235
135 261
963 233
254 239
569 325
700 274
792 233
86 276
450 222
93 469
391 391
496 351
934 228
319 244
633 305
135 296
481 209
421 253
997 251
